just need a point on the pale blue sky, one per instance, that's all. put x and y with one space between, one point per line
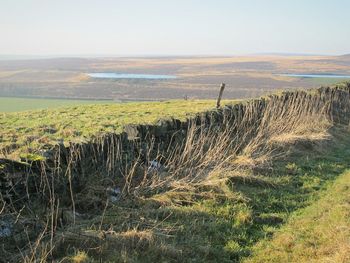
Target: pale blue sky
178 27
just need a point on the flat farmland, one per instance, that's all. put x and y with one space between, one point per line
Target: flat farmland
11 104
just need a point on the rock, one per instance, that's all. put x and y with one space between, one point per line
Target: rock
114 191
114 199
5 228
155 166
132 132
114 194
47 154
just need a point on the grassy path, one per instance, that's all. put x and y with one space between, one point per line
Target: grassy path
318 233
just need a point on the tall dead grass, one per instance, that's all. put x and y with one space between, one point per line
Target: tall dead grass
254 133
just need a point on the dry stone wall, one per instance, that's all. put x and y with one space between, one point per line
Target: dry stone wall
110 155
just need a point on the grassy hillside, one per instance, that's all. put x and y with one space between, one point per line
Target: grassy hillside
28 132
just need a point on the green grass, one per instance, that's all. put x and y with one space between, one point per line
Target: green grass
318 233
327 81
9 104
30 131
225 221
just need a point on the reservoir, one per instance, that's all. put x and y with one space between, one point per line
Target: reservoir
112 75
316 76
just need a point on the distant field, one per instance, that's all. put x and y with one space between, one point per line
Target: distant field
8 104
327 81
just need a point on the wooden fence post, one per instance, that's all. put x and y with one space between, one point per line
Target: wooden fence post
222 87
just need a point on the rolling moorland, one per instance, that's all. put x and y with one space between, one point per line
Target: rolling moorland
258 180
197 77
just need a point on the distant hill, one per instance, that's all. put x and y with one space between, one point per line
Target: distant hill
346 56
281 54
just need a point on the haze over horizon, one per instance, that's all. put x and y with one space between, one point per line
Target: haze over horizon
162 28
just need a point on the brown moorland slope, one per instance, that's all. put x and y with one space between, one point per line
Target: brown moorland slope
198 77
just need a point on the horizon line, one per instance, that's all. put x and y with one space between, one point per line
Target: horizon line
53 56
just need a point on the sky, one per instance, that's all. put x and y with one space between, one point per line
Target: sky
173 27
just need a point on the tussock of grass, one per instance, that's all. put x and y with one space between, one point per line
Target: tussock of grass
80 257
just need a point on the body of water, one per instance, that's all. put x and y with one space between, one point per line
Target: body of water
111 75
316 76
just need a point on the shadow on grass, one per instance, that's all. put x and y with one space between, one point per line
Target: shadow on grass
220 228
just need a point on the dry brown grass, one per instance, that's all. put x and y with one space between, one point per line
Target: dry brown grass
243 141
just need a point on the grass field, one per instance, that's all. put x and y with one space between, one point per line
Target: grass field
326 81
30 131
9 104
